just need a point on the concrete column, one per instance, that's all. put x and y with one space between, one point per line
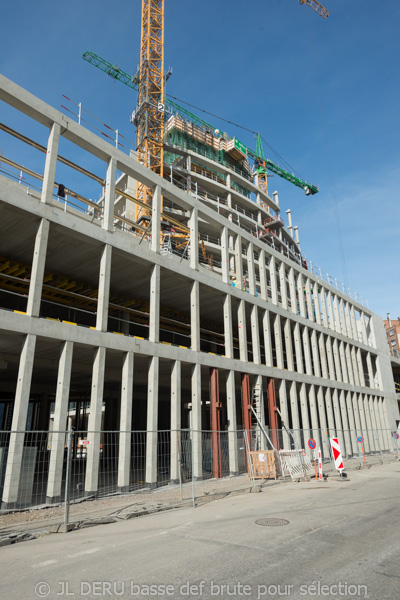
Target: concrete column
196 422
363 420
330 310
352 423
348 438
263 275
194 238
323 421
375 417
228 331
278 342
250 269
297 348
125 423
354 365
175 419
104 288
109 196
343 325
347 362
195 316
322 355
338 421
315 433
317 307
310 308
335 302
370 371
329 355
53 493
294 409
363 329
385 434
283 286
156 220
360 368
329 412
21 403
292 291
300 293
255 335
346 310
225 255
232 423
238 262
243 354
38 266
283 406
325 321
152 422
306 350
305 420
154 318
354 399
267 339
353 323
315 354
372 416
272 277
370 428
94 422
50 164
288 344
336 358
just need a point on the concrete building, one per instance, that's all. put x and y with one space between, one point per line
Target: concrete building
183 318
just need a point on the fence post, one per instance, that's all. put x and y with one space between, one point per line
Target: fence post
193 491
68 478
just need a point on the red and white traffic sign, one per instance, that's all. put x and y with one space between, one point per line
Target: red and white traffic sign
337 455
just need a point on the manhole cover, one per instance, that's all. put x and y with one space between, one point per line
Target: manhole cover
272 522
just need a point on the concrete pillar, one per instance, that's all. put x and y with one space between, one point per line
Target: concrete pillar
329 412
353 323
348 438
323 422
243 354
363 329
336 358
310 308
195 316
21 403
94 422
125 423
267 339
363 420
315 433
232 423
346 309
175 419
325 320
385 434
300 293
330 310
343 324
104 288
370 428
352 423
152 422
154 317
335 302
370 371
357 420
338 421
305 420
263 275
354 365
329 355
297 348
292 291
360 368
322 355
109 196
255 335
156 220
278 342
315 353
38 266
250 269
194 238
283 286
238 262
272 277
228 331
288 344
225 255
294 409
53 493
306 350
317 307
283 407
347 362
196 422
375 424
50 164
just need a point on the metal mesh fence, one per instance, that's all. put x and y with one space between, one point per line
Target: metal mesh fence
42 468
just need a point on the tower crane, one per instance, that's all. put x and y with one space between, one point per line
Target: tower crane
321 10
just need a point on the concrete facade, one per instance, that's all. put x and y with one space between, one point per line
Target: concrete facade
115 315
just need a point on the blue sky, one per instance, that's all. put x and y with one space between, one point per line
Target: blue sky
324 93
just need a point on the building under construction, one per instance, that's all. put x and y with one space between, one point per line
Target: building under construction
122 315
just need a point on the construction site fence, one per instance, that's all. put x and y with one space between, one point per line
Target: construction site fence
47 468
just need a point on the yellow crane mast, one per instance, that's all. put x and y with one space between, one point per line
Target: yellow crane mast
151 96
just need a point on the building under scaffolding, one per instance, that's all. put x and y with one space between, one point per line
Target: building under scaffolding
185 318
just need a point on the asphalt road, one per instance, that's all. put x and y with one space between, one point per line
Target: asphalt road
342 541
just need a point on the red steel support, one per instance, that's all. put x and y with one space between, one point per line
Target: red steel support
247 406
215 422
273 416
